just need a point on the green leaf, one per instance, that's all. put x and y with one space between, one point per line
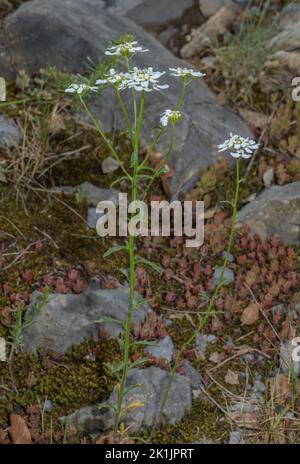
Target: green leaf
154 266
144 342
124 272
106 406
132 387
114 249
108 319
117 367
138 362
117 181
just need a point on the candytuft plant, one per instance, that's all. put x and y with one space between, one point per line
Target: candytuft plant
140 82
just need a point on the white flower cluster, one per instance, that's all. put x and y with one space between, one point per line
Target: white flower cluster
186 72
144 79
138 79
126 48
240 147
80 88
112 78
169 116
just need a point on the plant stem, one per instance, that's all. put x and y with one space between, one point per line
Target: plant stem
131 251
215 294
179 104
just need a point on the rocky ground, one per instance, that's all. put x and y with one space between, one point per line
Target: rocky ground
238 383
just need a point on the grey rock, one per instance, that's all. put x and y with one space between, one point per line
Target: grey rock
216 25
210 7
162 349
91 193
152 12
92 217
153 383
10 134
288 39
209 61
268 177
228 277
165 36
287 364
68 319
109 165
94 195
275 211
64 34
192 375
47 405
284 64
235 437
290 15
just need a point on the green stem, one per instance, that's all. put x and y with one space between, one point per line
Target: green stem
131 247
179 104
215 294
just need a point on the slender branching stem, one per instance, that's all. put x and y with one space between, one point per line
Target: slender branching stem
209 310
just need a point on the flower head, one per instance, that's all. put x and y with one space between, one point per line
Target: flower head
125 49
143 80
80 88
112 78
186 72
169 116
240 147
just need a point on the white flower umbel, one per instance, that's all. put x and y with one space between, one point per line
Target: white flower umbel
125 49
185 73
79 88
240 147
112 78
169 117
143 80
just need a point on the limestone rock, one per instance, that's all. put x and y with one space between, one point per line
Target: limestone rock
68 319
275 211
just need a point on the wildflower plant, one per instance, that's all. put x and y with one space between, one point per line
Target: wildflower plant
239 147
139 82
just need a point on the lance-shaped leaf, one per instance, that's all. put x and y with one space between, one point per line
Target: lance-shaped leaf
114 249
154 266
138 362
107 319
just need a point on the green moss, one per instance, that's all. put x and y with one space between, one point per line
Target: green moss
203 421
69 381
